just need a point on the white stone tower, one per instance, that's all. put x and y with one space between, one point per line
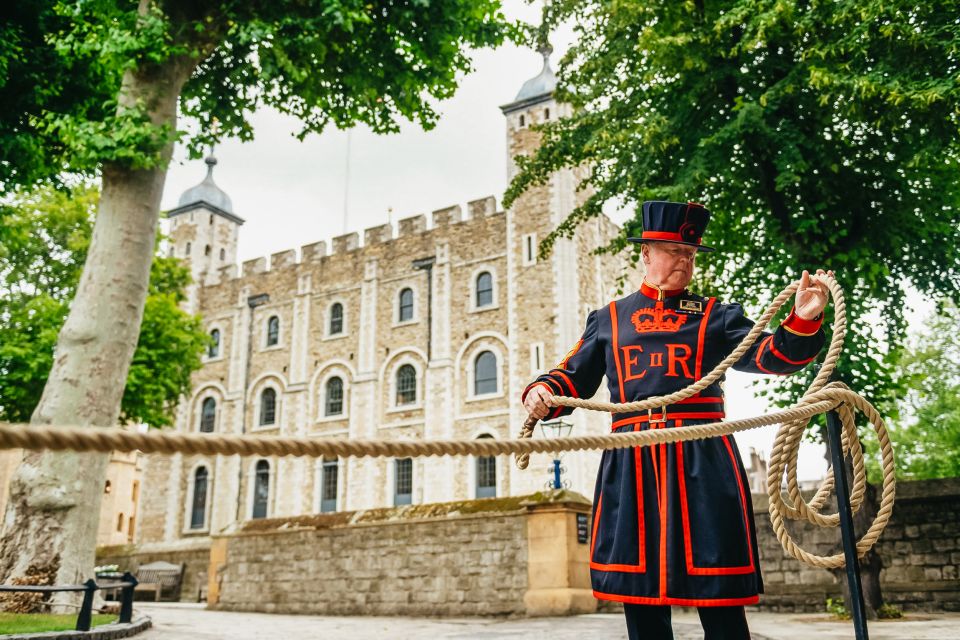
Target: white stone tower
204 231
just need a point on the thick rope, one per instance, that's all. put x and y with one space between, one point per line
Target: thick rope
819 398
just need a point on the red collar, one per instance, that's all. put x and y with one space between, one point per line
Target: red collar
655 292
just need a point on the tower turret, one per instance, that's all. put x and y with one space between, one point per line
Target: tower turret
203 227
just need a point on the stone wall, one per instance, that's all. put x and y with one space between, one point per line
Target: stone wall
920 551
195 556
502 556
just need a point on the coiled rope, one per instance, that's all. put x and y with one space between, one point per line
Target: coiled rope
819 398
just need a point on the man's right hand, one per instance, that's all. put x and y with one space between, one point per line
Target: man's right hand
537 403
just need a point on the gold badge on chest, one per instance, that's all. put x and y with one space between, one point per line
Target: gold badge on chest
691 306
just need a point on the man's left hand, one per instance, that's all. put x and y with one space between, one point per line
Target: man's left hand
812 294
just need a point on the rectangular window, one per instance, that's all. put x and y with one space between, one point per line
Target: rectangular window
328 486
403 481
529 249
486 477
536 357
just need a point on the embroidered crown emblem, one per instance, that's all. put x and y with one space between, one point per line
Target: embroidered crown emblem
657 319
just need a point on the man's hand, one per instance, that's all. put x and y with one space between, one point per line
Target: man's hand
812 294
537 403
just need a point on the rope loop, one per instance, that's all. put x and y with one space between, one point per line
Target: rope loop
782 466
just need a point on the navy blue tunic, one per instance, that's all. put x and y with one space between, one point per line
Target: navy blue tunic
673 523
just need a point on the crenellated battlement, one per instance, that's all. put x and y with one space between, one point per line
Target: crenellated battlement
439 221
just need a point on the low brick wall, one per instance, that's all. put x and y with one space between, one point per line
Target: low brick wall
194 554
508 556
920 551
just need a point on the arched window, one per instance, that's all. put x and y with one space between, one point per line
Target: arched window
546 114
223 254
198 510
120 522
328 485
187 252
208 415
261 489
485 373
406 305
406 384
486 474
334 400
268 406
273 331
207 250
522 120
402 481
214 349
484 289
336 318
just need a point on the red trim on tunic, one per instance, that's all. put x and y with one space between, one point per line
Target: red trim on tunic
641 567
572 389
701 336
638 472
685 516
616 348
684 602
706 415
765 342
779 354
663 521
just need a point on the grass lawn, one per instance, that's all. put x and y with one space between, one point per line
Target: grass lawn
37 622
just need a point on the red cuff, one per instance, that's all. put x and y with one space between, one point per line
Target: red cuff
797 325
523 396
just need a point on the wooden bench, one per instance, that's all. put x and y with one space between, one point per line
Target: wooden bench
159 577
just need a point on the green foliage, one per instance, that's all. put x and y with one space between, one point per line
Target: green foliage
820 134
927 437
43 244
836 608
345 62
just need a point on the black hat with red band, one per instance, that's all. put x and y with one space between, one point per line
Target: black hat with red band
677 222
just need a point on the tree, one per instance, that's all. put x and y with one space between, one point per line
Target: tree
927 437
322 61
35 292
820 134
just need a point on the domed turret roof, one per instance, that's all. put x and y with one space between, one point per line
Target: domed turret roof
207 191
543 83
537 88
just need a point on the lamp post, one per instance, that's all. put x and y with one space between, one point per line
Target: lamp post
558 428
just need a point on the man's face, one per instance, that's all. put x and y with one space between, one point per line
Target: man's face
669 265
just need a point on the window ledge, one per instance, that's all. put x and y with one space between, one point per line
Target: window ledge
405 407
489 307
335 336
340 417
404 323
273 347
484 396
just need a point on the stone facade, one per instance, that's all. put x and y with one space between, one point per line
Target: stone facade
920 551
485 557
275 322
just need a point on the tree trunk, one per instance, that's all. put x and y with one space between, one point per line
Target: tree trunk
53 513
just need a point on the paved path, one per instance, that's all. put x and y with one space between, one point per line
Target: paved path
193 622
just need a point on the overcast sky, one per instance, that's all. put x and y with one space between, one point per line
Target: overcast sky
293 193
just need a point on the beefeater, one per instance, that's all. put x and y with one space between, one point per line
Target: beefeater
673 523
